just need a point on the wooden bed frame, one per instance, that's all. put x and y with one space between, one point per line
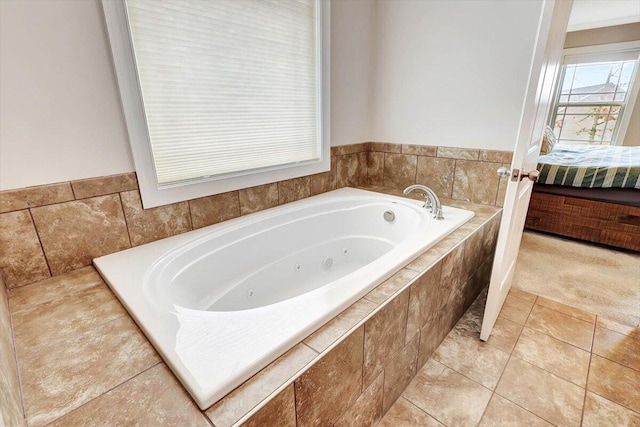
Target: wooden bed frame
596 221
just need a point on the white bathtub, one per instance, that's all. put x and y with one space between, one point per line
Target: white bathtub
222 302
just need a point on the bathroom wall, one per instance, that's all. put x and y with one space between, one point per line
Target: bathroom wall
606 35
61 113
11 402
452 74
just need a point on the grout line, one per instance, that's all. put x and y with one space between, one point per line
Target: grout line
419 409
126 223
44 254
586 383
12 331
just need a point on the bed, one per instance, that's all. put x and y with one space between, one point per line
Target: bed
590 193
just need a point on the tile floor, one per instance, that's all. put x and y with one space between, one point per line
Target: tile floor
545 364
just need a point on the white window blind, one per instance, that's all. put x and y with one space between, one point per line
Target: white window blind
228 86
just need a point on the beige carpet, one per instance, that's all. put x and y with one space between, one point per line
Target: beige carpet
602 281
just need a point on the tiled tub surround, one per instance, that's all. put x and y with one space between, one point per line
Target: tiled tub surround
350 371
53 229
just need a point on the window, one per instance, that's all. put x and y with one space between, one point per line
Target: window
596 95
221 95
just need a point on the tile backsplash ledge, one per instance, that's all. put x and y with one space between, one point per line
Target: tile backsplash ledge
52 229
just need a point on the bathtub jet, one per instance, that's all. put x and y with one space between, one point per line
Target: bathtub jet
222 302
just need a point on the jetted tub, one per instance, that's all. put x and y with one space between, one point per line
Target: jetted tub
222 302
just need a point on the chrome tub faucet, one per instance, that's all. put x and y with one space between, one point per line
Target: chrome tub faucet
431 200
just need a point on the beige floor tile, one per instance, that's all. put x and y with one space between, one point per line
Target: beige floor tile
566 328
519 293
615 382
599 412
503 413
243 399
555 356
624 349
152 398
618 327
546 395
70 373
505 334
565 309
515 309
405 414
472 358
435 384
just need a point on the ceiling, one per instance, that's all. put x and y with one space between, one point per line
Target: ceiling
587 14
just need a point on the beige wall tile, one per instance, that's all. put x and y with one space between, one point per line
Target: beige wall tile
599 412
332 385
65 318
566 328
433 255
243 399
555 356
342 150
452 280
21 258
405 414
367 411
293 189
476 182
495 156
214 209
386 289
362 168
104 185
423 300
339 325
11 401
74 233
347 171
437 174
323 182
615 382
384 336
502 191
375 168
431 335
399 170
435 384
458 153
472 358
280 411
546 395
52 289
24 198
153 398
420 150
258 198
399 372
502 413
623 349
149 225
385 147
70 373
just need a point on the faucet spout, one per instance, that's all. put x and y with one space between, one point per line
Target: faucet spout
432 202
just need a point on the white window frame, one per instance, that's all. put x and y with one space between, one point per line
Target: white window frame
573 55
131 96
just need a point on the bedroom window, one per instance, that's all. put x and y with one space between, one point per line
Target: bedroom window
221 95
596 94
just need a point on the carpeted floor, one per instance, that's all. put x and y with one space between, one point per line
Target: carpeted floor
593 278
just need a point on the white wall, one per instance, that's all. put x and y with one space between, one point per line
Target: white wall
351 64
61 114
61 117
452 73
